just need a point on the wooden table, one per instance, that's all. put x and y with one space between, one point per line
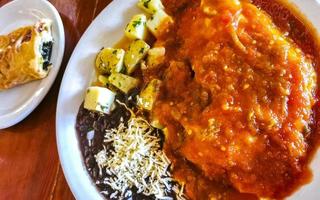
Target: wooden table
29 162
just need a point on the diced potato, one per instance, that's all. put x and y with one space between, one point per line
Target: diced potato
103 80
156 123
155 56
110 60
150 6
99 99
159 22
148 96
165 132
123 82
136 52
136 29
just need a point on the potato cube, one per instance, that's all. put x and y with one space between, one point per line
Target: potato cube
155 56
148 96
159 22
150 6
103 80
110 60
123 82
99 99
136 52
156 123
136 29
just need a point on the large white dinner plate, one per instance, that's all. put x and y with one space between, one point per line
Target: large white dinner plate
105 31
17 103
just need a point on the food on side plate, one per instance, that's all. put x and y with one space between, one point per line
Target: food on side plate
155 56
25 54
216 103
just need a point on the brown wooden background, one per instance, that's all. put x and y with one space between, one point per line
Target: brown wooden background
29 162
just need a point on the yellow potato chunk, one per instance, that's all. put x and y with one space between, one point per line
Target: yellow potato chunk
159 22
155 56
136 29
110 60
103 80
136 52
150 6
123 82
99 99
148 96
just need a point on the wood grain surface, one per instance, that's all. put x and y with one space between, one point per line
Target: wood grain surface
29 162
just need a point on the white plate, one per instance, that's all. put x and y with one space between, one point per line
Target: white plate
105 31
17 103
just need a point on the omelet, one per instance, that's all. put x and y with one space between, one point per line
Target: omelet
25 54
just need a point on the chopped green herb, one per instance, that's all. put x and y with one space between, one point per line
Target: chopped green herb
114 52
136 23
141 51
103 108
146 3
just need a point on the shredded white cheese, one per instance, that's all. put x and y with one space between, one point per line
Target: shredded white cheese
136 161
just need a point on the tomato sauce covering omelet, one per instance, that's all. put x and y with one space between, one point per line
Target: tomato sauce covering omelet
237 98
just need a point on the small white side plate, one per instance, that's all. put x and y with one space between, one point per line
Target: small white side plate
17 103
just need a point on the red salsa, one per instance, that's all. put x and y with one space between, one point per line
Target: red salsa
238 97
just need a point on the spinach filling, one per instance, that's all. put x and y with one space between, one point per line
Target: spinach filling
46 51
